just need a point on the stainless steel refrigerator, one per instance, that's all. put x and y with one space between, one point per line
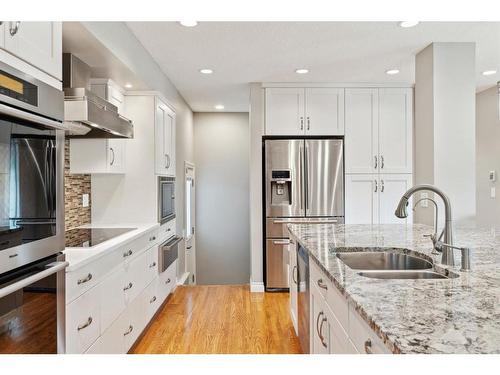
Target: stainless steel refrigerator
304 182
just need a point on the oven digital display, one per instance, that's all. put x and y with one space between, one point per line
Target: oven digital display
18 89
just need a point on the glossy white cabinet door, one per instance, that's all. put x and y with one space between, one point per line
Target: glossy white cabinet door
284 111
292 281
361 130
38 43
391 188
361 199
319 323
116 152
112 297
324 111
395 130
112 341
169 141
164 139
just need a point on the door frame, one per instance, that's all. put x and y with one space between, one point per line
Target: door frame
189 241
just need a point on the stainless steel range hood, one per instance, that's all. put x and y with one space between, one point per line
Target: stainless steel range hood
87 115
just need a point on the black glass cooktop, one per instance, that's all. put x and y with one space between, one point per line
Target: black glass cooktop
88 237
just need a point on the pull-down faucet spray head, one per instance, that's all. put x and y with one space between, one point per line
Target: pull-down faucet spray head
401 210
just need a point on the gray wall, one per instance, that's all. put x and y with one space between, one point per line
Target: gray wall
221 151
487 156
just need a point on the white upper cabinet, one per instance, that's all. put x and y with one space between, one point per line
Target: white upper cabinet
304 111
285 111
88 156
361 130
164 139
37 43
378 130
324 111
395 130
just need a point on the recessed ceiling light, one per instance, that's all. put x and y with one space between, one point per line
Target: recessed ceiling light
128 86
219 106
489 72
206 71
407 24
301 71
188 23
391 72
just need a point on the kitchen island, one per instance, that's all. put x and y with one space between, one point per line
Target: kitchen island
454 315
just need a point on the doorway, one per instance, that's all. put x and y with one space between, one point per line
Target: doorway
189 225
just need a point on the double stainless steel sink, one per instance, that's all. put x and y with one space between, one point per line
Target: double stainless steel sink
391 265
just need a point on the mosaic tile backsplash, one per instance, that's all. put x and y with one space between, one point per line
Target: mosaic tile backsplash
74 186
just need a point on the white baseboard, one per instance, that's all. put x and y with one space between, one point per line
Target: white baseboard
256 287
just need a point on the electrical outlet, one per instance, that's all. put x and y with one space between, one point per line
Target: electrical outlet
492 176
85 200
424 203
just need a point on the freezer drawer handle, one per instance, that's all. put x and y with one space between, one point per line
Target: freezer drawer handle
55 267
298 221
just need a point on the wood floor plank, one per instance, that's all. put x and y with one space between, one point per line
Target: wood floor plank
220 319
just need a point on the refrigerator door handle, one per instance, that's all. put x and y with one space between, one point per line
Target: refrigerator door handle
306 176
301 177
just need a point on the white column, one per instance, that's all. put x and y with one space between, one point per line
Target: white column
445 126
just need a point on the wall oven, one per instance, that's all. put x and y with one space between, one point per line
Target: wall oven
166 199
31 215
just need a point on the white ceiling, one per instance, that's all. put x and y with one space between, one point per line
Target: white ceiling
244 52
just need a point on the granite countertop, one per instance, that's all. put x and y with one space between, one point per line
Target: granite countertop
80 256
459 315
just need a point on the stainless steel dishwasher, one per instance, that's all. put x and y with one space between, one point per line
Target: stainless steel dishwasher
303 298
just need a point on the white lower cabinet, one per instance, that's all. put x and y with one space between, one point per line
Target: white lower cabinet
110 316
292 275
335 326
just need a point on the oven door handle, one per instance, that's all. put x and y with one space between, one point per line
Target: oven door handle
55 267
24 115
171 243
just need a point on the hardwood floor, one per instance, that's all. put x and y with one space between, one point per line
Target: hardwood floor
220 319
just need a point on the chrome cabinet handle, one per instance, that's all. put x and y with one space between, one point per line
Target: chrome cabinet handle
368 346
382 162
321 337
85 279
167 161
152 265
152 299
308 123
127 253
129 330
129 286
86 324
317 322
14 27
376 185
113 156
152 238
376 162
168 281
12 255
382 187
322 285
301 123
294 274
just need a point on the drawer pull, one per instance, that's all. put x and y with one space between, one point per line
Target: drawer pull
168 281
169 229
129 286
152 238
368 346
12 255
152 299
129 330
86 324
127 253
321 337
85 279
152 265
322 285
294 274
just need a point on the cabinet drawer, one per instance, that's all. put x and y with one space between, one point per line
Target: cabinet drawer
82 322
112 341
138 318
136 276
339 340
130 250
82 279
166 230
167 281
363 337
152 263
335 300
154 298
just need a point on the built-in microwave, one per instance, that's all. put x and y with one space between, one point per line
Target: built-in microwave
166 199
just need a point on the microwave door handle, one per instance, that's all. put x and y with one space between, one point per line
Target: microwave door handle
56 267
